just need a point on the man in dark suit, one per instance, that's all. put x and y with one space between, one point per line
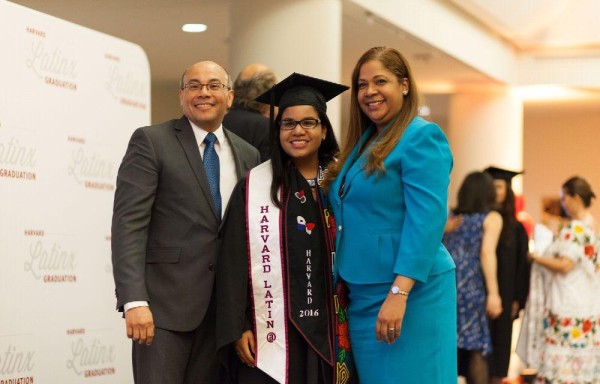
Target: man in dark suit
165 230
248 118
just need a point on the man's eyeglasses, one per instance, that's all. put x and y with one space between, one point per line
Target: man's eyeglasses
211 87
290 124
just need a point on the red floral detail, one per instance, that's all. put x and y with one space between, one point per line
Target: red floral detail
565 322
588 250
587 325
567 236
343 335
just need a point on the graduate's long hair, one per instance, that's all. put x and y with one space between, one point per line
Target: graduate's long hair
281 162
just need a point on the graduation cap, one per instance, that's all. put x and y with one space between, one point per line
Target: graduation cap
298 89
502 174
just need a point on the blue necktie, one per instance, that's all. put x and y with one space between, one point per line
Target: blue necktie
211 166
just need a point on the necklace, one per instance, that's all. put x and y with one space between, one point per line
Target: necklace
314 182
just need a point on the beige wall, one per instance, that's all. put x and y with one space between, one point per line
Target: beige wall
561 139
165 102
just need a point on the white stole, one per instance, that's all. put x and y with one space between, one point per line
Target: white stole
264 223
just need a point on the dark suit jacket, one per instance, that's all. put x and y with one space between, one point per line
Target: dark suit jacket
165 233
250 126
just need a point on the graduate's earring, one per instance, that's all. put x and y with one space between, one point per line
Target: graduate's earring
405 92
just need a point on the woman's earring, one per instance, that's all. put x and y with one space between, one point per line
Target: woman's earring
405 92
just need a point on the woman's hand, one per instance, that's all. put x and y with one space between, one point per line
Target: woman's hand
389 319
245 348
453 223
494 305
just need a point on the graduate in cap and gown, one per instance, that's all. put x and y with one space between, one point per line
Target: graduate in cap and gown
275 295
512 270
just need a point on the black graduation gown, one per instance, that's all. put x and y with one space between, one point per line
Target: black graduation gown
234 314
513 285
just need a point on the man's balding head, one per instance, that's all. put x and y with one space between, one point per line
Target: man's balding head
252 82
253 70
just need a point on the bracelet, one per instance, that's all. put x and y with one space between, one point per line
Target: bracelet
397 291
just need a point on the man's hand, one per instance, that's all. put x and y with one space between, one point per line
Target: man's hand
140 325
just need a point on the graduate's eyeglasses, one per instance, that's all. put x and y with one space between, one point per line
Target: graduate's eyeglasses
290 124
211 87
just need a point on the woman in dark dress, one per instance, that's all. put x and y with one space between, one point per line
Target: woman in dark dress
275 307
513 273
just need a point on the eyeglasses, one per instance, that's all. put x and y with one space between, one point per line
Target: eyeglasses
211 87
290 124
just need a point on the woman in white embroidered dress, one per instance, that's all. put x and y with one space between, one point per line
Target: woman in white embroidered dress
569 350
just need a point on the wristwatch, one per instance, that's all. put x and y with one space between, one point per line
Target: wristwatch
397 291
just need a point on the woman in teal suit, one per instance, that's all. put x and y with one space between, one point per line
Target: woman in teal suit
389 195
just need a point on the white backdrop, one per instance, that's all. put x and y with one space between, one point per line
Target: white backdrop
70 98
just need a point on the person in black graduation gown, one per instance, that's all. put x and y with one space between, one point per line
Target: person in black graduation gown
302 144
513 273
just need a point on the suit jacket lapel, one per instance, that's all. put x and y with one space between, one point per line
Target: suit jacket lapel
240 166
188 142
239 169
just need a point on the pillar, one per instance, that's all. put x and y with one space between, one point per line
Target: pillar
485 127
289 36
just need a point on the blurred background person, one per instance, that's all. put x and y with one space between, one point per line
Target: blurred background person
248 118
567 344
553 214
390 198
513 273
473 248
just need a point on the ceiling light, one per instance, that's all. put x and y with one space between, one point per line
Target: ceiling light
194 28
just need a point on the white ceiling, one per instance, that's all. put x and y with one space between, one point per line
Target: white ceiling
540 25
155 25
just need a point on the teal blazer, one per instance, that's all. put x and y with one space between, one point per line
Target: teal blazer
392 224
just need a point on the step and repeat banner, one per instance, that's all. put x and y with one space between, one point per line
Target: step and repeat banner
70 98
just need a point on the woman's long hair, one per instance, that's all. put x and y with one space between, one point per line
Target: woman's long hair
476 194
282 163
393 61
